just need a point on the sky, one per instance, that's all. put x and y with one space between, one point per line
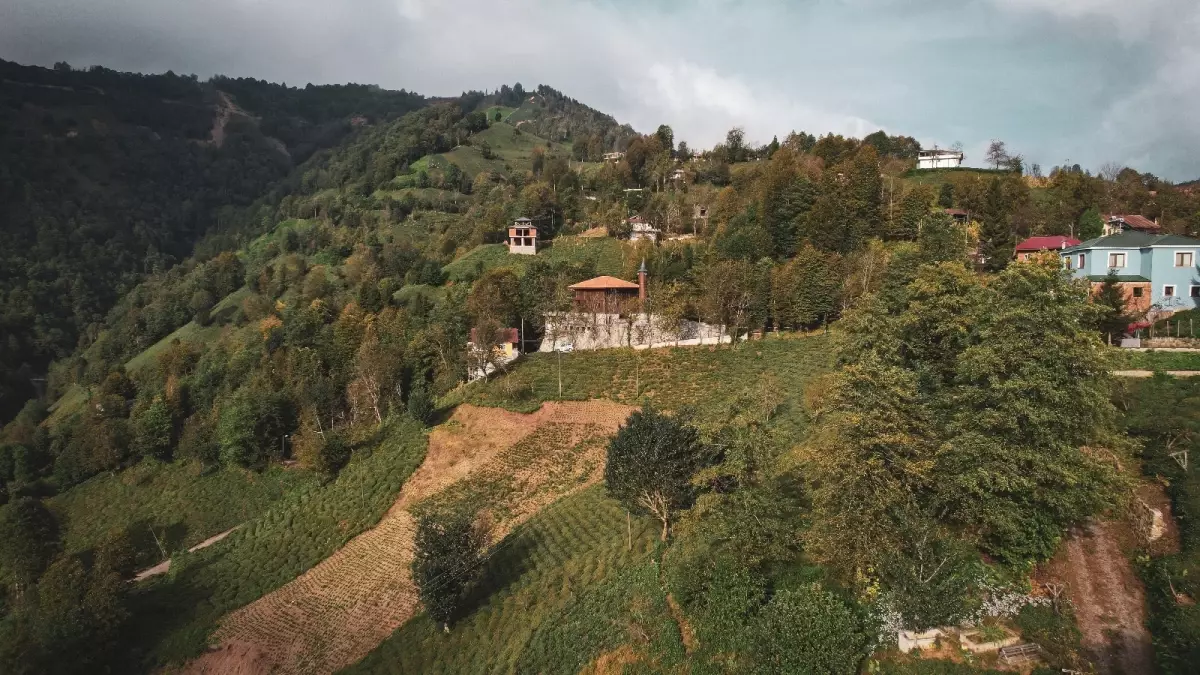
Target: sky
1060 81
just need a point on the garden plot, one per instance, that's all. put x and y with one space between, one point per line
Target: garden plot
504 464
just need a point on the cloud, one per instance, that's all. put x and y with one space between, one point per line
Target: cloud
1090 80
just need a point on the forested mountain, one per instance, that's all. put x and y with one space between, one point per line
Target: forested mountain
107 177
258 296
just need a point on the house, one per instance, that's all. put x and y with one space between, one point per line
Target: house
607 295
1034 245
504 352
939 159
678 175
1115 223
960 216
1157 271
523 237
640 229
614 157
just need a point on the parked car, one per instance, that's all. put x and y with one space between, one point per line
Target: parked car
565 348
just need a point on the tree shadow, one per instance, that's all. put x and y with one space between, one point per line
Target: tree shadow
510 561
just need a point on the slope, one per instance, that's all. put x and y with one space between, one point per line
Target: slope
507 463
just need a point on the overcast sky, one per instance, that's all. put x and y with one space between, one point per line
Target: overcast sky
1084 81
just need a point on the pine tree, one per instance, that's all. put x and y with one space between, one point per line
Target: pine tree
946 196
995 236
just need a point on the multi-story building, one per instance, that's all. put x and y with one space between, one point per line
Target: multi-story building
1157 271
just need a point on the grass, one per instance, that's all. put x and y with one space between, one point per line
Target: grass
551 599
480 259
1157 360
719 384
605 255
1172 581
180 506
174 615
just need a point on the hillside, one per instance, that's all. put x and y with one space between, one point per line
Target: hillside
107 177
286 317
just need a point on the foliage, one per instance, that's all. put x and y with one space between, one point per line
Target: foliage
651 462
955 415
29 539
1171 581
446 563
554 594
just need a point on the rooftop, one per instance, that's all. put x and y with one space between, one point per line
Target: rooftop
1135 221
605 283
1047 243
1136 239
507 335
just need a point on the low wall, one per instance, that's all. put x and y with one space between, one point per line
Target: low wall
586 332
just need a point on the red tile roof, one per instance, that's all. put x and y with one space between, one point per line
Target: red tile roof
604 284
507 335
1136 222
1047 243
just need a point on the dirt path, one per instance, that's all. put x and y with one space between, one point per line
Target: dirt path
1109 601
165 566
1150 373
337 612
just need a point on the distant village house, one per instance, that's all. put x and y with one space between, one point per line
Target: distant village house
640 229
523 237
1035 245
939 159
1115 223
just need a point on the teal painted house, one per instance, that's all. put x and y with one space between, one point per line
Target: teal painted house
1158 271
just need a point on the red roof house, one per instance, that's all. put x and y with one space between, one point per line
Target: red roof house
1036 244
1114 223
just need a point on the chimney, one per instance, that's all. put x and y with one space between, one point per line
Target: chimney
642 274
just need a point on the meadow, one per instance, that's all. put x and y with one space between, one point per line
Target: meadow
719 385
554 595
172 502
175 614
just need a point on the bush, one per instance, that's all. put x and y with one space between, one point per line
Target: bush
420 403
1056 632
28 538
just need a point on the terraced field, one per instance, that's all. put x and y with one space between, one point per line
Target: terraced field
506 464
548 564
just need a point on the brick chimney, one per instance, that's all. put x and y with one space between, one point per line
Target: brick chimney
642 274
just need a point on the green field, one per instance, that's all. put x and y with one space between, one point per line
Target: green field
181 507
551 599
175 614
608 256
721 385
1157 360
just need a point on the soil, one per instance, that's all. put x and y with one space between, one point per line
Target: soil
612 662
337 612
685 629
1108 598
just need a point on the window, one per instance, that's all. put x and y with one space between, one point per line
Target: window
1168 291
1082 259
1196 291
1183 258
1116 260
1137 291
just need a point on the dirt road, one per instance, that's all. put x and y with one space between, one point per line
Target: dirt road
1109 601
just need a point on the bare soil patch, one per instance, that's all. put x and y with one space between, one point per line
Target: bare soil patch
612 662
1108 598
337 612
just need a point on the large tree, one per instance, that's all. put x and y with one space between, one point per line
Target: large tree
651 462
996 241
981 410
446 563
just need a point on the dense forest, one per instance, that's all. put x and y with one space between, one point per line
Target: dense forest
228 276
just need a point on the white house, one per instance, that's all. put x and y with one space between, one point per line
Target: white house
523 237
640 229
939 159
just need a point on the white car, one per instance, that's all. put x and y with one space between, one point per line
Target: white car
565 348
